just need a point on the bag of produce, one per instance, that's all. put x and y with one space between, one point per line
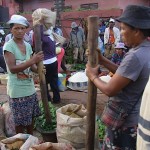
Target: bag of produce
19 142
9 121
52 146
2 134
71 125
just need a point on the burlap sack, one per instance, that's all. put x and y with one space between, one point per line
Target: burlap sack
59 39
71 125
2 134
52 146
41 15
44 16
19 141
9 120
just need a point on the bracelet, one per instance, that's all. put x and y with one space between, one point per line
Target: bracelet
94 79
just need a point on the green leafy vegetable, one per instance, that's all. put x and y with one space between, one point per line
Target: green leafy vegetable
41 120
101 129
78 67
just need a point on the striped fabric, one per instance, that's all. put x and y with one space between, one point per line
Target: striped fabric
143 136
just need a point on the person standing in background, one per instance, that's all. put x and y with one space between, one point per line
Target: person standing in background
101 31
111 38
77 39
119 53
102 28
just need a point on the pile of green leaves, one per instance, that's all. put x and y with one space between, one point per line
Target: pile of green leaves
78 67
40 122
101 129
69 55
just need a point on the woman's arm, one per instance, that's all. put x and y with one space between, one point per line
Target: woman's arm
34 68
115 85
11 61
111 88
112 67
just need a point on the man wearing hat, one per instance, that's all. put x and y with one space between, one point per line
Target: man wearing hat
125 89
77 39
111 38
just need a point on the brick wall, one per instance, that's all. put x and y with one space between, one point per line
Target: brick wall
68 17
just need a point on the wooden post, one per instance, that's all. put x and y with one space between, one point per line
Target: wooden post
92 90
38 47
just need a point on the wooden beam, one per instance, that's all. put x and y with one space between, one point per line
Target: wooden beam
92 90
38 47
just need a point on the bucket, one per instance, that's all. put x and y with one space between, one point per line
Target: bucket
62 82
48 136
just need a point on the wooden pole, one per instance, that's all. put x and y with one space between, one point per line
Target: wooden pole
92 90
38 47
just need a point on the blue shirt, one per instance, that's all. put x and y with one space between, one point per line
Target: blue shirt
117 59
48 46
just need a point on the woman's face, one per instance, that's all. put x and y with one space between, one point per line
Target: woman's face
18 31
128 35
119 51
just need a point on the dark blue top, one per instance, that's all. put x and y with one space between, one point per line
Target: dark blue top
48 46
102 29
117 59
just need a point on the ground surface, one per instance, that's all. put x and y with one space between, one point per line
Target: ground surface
67 97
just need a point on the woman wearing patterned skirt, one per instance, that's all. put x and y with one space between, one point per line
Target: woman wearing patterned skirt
20 87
